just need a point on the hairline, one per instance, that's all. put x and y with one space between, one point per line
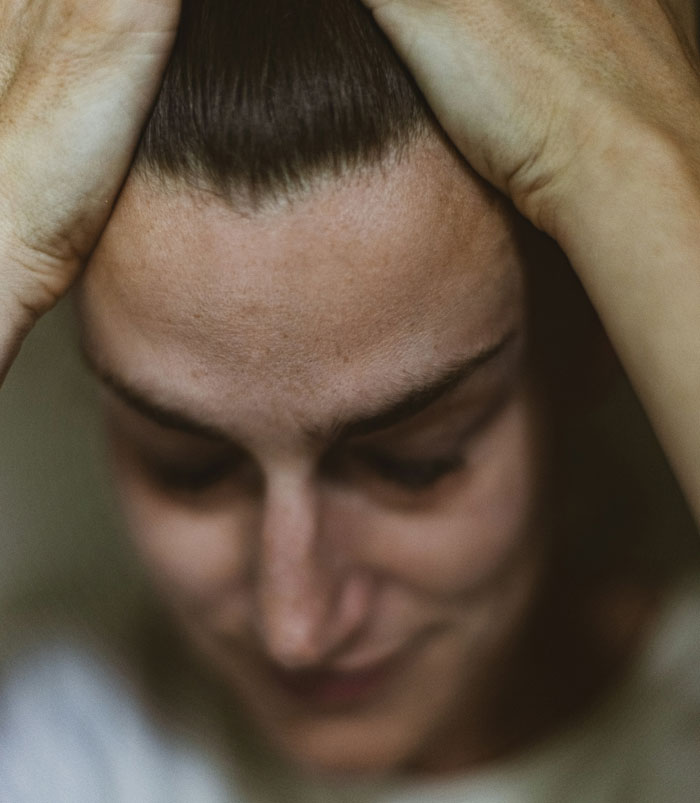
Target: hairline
245 199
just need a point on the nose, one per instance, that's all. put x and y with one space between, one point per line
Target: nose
309 601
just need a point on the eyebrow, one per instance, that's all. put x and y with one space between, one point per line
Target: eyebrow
414 401
420 397
167 417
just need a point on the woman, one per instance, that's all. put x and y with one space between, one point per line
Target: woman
335 428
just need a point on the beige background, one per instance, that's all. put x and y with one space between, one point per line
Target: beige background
59 532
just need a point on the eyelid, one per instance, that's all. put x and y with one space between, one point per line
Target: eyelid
460 436
192 476
488 414
416 474
428 470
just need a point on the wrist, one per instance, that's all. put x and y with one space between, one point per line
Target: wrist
637 183
15 323
24 297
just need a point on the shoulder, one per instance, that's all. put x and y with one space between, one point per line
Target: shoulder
642 742
665 689
74 727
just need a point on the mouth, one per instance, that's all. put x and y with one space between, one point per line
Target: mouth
351 686
331 688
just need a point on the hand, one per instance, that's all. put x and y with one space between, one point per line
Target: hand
532 91
77 78
585 112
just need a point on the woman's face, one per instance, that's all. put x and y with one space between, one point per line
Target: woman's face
328 448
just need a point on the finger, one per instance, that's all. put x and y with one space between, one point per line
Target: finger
78 83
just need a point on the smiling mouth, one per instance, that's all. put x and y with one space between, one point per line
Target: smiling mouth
329 688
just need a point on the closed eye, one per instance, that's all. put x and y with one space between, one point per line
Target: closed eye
414 475
187 477
409 474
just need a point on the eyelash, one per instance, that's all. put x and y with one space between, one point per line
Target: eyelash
411 475
190 479
415 475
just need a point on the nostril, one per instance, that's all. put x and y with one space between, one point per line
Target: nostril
293 638
305 630
354 605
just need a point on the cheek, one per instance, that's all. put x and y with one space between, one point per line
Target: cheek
482 519
194 554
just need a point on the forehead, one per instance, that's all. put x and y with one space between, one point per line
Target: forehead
362 281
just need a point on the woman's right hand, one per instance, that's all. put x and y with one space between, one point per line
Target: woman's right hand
77 79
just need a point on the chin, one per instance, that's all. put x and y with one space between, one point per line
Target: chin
342 749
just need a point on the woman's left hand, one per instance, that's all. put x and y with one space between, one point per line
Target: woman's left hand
587 114
533 91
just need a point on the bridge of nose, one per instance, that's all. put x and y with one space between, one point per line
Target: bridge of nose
309 600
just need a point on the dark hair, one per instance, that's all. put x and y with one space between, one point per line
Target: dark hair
262 96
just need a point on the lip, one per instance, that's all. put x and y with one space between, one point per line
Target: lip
339 688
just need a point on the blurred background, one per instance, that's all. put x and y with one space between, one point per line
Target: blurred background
61 550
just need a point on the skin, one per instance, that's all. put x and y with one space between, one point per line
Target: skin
302 556
77 78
